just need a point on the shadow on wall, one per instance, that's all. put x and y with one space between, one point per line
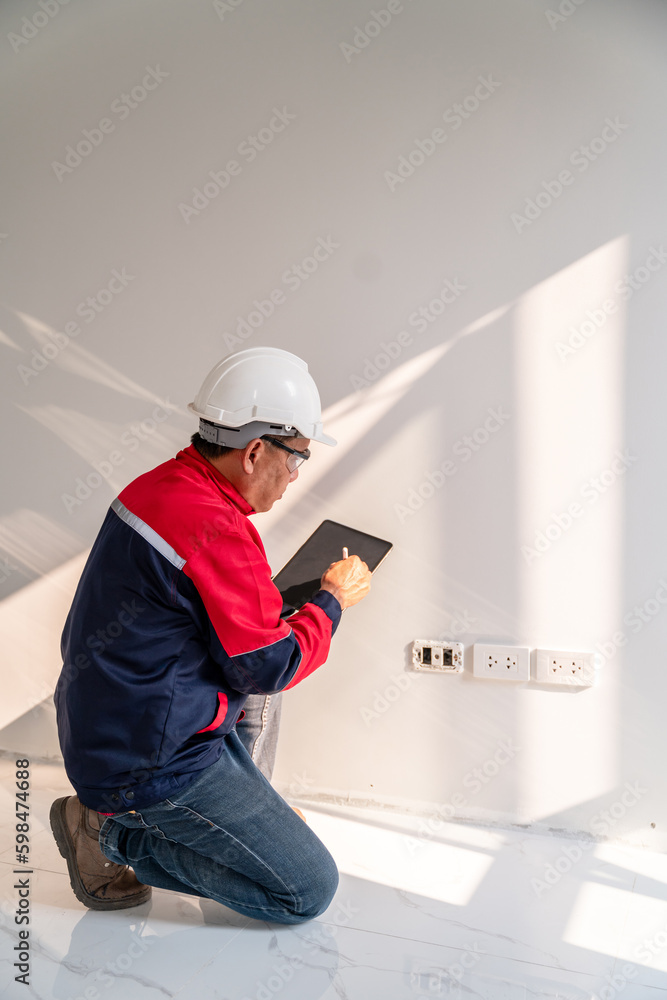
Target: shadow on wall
34 734
102 428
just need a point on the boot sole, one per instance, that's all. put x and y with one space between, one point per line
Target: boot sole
66 848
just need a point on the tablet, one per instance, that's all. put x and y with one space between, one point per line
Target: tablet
300 578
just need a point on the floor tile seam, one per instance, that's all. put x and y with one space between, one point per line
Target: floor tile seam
453 947
400 937
342 811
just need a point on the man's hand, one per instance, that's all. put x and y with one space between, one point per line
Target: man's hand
349 580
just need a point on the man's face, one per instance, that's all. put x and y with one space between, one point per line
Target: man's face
271 477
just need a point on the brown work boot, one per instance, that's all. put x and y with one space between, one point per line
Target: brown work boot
97 882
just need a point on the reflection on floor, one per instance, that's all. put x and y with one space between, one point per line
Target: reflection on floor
461 913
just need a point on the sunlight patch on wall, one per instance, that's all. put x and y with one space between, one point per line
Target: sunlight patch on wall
35 544
352 417
571 475
31 622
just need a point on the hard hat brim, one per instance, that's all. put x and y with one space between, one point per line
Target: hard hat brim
238 436
323 439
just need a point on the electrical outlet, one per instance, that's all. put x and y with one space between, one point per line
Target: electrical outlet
553 666
501 663
432 654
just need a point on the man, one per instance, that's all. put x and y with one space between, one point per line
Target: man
174 627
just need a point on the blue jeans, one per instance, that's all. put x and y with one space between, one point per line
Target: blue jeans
258 730
229 836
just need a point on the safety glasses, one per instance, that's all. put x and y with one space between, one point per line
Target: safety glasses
295 457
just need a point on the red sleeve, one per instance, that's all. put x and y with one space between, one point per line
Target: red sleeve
233 579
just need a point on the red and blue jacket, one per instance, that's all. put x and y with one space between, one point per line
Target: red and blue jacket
175 621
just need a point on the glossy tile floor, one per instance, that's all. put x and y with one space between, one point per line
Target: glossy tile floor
461 912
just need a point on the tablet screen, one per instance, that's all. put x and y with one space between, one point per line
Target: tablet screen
300 578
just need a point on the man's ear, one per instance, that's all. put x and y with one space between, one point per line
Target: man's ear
251 453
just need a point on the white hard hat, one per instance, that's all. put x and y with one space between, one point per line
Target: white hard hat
261 390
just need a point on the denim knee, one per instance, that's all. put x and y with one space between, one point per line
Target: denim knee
317 893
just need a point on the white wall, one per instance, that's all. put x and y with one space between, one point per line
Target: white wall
461 565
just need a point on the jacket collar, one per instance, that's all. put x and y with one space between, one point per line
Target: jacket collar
192 458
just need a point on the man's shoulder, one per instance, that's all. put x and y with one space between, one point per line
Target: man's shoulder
179 504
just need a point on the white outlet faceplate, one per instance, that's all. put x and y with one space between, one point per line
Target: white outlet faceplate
501 663
558 666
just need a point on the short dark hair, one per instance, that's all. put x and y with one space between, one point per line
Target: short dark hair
207 449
